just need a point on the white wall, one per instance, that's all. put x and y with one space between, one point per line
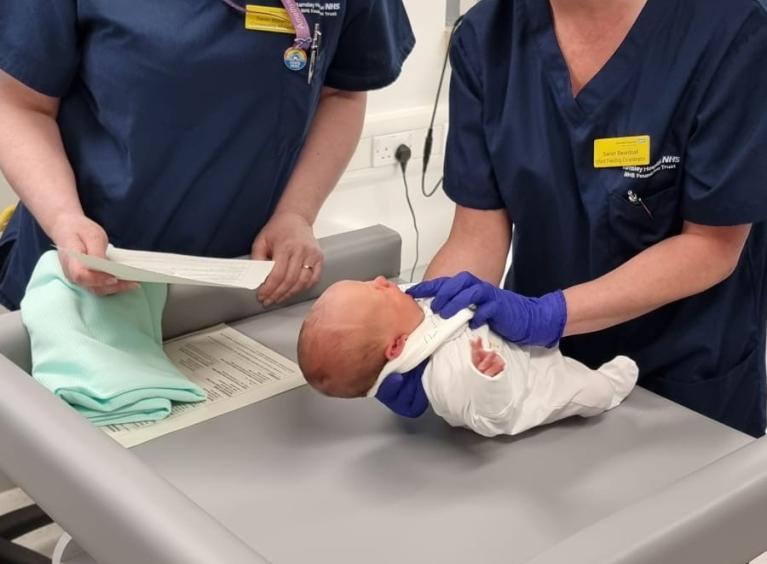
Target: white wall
367 195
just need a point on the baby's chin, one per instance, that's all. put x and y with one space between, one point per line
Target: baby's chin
342 393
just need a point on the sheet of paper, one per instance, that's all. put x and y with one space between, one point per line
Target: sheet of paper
232 368
144 266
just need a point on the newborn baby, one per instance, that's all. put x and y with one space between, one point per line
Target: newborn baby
360 332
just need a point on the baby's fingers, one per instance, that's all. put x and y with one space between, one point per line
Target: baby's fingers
485 364
491 364
477 352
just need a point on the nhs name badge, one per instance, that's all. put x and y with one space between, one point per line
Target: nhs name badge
617 152
295 59
265 18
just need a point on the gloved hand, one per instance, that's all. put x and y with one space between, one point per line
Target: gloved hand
404 393
521 320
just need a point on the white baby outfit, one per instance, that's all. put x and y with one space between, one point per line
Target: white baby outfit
537 385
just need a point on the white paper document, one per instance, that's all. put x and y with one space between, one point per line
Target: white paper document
145 266
232 368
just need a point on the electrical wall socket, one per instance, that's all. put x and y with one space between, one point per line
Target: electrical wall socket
385 146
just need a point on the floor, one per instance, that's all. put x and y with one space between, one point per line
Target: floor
43 540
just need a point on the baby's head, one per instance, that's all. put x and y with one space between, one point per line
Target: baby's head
350 334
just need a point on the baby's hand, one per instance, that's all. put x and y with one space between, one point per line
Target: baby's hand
488 363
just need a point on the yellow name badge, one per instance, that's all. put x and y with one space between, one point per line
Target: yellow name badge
265 18
622 151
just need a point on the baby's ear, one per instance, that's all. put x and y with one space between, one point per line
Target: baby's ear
395 347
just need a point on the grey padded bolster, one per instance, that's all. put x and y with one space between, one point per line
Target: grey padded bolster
699 519
347 257
14 341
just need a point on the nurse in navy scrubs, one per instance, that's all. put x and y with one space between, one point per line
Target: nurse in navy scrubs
186 126
626 143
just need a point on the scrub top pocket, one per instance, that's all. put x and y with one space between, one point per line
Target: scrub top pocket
298 104
734 396
639 221
300 95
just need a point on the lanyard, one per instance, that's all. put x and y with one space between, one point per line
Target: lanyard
303 38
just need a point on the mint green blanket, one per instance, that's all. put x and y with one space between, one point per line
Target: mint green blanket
103 356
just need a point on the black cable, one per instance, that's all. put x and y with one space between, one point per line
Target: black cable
429 142
403 155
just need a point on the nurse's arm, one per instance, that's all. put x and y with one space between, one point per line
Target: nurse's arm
288 238
478 243
33 160
690 263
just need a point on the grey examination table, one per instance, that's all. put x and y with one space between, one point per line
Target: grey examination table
301 478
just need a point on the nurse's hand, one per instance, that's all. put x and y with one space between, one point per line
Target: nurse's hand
75 232
288 240
521 320
404 393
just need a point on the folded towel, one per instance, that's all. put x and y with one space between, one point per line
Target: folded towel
103 356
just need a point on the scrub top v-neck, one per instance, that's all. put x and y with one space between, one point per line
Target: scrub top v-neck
608 80
181 125
690 76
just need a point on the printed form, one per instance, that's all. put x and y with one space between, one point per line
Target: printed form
232 368
145 266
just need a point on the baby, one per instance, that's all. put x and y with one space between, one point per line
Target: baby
360 332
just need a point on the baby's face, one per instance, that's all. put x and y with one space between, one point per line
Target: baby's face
359 301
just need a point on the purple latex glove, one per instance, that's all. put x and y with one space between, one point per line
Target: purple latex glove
404 393
521 320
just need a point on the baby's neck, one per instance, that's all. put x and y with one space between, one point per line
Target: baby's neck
414 316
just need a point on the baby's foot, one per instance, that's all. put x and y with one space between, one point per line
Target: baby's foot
622 372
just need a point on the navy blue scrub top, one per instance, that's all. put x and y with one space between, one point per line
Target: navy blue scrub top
182 126
690 74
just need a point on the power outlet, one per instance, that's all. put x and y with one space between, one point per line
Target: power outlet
385 146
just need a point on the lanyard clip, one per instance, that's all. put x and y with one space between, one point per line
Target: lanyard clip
316 41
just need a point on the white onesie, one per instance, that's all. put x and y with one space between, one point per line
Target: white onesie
537 385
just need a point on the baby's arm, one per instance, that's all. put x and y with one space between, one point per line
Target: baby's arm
490 392
488 363
468 386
